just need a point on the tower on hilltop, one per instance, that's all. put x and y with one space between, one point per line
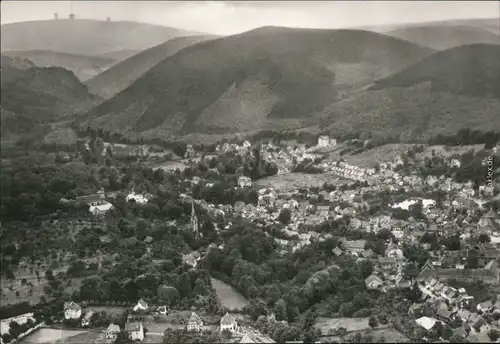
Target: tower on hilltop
71 14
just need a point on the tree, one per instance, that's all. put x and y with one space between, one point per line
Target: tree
373 321
168 294
285 216
366 268
410 271
484 238
280 310
6 338
494 334
185 285
123 338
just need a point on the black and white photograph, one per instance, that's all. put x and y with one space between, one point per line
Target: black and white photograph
250 172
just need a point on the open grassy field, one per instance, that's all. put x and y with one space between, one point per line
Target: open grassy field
370 157
110 310
227 296
327 325
47 335
291 181
448 151
390 335
31 294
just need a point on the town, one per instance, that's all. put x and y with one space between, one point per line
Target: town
170 255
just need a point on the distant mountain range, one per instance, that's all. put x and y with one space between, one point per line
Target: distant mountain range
442 37
268 77
448 91
411 81
85 37
121 54
121 75
32 96
84 67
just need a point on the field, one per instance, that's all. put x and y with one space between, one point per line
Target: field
448 151
227 296
390 335
327 325
110 310
290 181
47 335
370 157
31 294
177 164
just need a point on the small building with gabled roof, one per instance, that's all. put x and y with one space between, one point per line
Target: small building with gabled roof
195 323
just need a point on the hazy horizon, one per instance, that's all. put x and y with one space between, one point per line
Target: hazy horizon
231 17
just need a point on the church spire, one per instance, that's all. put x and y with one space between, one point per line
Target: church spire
194 219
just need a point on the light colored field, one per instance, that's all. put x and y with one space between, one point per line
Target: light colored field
227 296
448 151
62 136
325 325
47 335
91 337
291 181
376 155
110 310
390 335
170 166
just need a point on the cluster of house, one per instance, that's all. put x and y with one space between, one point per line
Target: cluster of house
451 306
240 149
347 171
99 204
136 332
286 158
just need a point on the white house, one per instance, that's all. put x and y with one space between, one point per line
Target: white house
373 282
140 306
323 141
228 322
426 322
135 331
86 319
195 323
455 163
72 310
244 182
138 198
162 310
485 306
112 331
100 208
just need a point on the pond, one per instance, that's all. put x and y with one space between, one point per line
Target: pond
227 296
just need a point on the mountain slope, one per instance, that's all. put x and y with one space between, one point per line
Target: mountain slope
488 24
466 70
124 73
84 67
272 74
441 37
34 96
120 55
84 37
443 93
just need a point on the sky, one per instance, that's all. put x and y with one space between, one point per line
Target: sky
231 17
